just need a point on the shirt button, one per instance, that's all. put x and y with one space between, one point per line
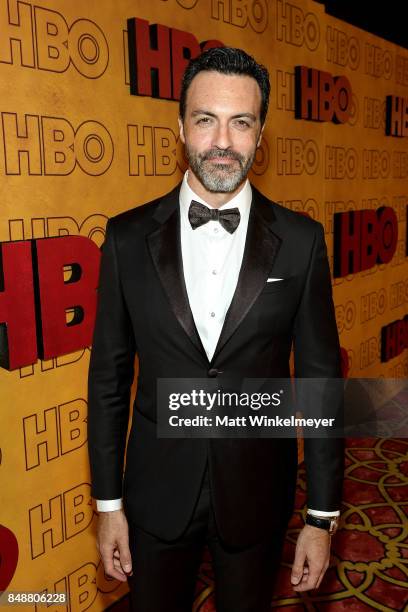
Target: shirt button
214 272
212 314
215 230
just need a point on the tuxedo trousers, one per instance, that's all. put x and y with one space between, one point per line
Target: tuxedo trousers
165 573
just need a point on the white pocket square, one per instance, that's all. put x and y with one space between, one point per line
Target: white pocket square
272 280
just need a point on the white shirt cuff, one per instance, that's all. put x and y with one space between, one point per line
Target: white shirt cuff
108 505
323 514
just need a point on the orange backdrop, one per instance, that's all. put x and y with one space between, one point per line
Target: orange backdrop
77 148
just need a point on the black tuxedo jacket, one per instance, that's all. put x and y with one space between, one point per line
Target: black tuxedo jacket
143 309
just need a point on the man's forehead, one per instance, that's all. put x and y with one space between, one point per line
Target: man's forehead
243 80
210 88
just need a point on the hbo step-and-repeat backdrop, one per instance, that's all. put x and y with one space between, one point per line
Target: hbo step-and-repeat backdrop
88 129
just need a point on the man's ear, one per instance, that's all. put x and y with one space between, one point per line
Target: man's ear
181 129
260 136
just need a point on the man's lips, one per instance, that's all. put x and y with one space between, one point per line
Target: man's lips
221 160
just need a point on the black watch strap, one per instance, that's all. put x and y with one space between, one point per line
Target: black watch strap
329 524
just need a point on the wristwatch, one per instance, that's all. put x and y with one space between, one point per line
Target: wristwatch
329 524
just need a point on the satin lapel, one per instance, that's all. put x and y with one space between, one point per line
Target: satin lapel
165 248
261 248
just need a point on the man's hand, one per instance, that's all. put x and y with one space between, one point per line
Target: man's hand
113 544
311 558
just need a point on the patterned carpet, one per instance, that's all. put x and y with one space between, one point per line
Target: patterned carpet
369 565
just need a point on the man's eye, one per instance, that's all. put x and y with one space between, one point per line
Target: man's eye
204 120
242 123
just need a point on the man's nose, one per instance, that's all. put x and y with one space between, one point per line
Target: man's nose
222 137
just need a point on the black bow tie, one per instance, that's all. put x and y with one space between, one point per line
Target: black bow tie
198 215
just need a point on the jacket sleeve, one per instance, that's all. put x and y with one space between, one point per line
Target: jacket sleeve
110 376
317 355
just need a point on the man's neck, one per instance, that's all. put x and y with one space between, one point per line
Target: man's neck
214 199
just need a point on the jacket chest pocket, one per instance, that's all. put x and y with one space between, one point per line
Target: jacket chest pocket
276 306
276 286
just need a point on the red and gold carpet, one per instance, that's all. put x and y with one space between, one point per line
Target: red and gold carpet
369 564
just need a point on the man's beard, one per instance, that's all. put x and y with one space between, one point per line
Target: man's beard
219 178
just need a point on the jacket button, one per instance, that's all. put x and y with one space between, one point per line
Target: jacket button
212 372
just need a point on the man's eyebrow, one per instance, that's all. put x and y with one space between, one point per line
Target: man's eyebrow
248 115
201 111
210 114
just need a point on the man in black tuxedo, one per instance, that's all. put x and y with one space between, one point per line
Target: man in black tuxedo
210 280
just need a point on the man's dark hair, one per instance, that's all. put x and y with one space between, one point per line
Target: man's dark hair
227 60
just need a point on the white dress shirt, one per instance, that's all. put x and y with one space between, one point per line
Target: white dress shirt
212 259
